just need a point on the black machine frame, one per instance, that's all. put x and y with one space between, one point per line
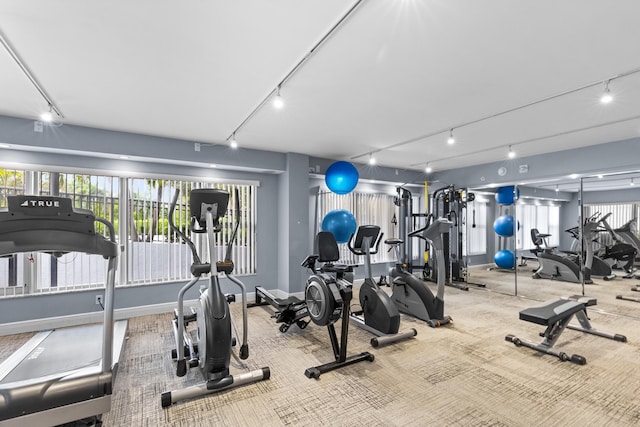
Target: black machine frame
61 392
448 203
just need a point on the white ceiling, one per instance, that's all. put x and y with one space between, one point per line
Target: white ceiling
395 71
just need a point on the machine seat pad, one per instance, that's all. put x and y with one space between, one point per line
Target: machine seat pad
286 302
552 312
337 268
587 301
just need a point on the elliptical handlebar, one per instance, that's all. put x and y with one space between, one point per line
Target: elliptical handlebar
227 255
418 232
187 240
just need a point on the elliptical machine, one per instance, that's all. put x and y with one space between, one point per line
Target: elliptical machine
328 296
210 350
410 294
620 253
378 314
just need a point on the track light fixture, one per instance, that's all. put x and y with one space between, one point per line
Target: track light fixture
47 116
557 188
606 95
437 133
451 139
277 100
632 183
372 160
512 154
428 169
233 143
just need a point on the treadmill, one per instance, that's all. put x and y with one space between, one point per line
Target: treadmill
62 375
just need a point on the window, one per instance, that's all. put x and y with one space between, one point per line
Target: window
545 218
368 209
156 253
153 252
620 215
12 182
475 231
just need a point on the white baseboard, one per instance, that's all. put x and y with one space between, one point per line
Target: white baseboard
120 313
83 318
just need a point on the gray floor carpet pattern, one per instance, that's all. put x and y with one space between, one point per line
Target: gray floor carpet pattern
464 374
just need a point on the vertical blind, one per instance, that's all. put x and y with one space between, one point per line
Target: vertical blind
368 209
154 253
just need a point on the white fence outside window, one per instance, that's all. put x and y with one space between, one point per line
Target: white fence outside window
153 254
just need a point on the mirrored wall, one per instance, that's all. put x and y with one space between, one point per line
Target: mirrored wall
570 235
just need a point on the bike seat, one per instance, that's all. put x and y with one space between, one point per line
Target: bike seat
393 241
337 268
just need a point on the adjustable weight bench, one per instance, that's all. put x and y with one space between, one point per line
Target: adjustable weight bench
556 315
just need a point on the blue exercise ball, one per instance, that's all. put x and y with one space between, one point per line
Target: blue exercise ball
505 195
503 226
505 259
342 177
341 223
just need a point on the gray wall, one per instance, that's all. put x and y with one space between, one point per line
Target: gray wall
285 218
611 157
596 159
293 230
283 223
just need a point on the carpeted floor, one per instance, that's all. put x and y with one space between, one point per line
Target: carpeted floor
464 374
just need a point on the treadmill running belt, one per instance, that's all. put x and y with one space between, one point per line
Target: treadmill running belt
64 350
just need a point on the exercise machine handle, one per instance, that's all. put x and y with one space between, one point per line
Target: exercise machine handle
373 247
194 252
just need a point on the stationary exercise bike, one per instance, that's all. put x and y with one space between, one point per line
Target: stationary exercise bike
410 294
210 350
328 295
378 314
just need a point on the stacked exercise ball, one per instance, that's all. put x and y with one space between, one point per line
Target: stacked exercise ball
505 258
341 178
341 223
507 195
504 226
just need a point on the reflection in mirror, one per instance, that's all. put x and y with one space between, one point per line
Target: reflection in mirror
611 207
543 268
491 240
560 227
563 229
